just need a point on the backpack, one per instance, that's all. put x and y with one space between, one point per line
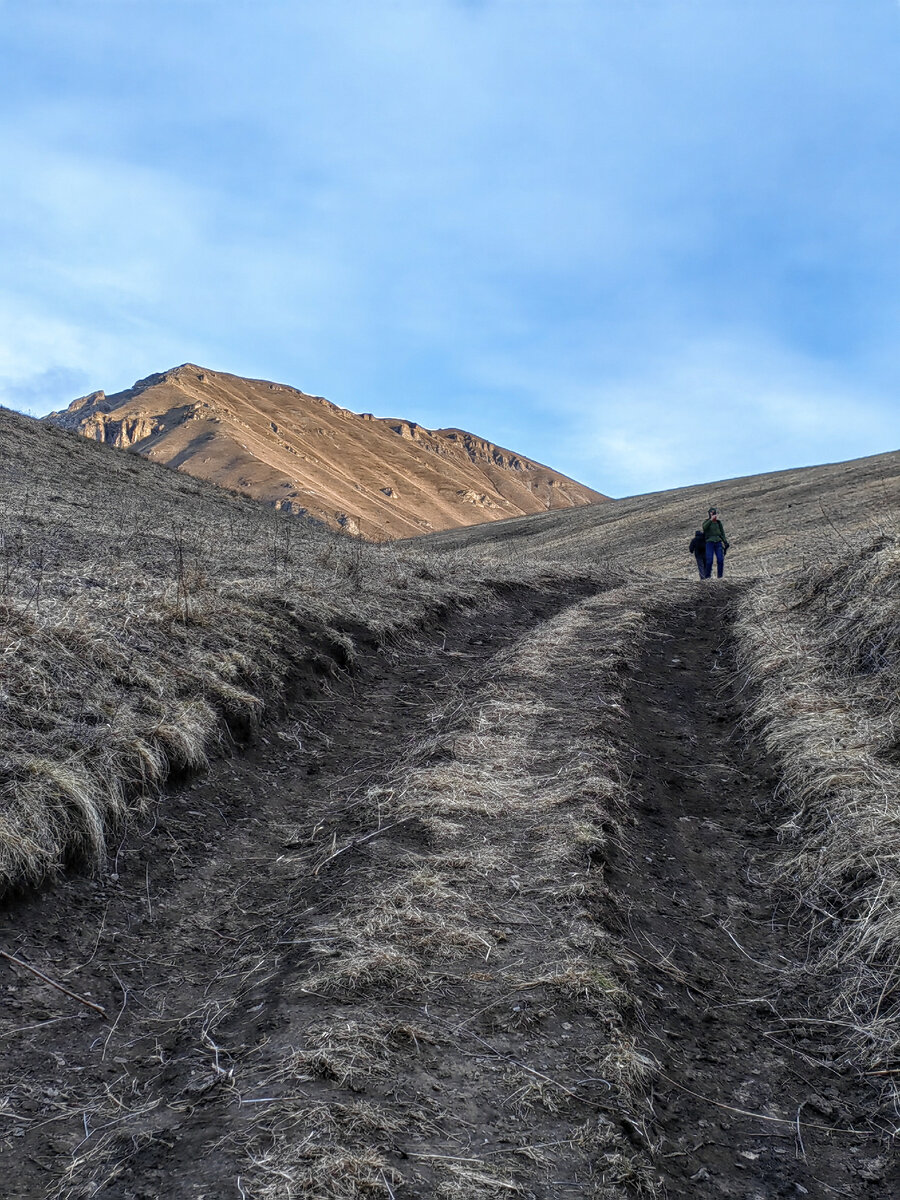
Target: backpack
698 544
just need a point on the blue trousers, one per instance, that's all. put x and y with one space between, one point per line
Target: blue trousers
700 559
718 550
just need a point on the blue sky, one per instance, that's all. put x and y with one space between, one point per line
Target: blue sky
650 242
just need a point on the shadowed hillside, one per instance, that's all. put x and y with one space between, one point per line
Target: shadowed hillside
380 477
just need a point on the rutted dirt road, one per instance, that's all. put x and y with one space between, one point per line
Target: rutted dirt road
394 949
749 1099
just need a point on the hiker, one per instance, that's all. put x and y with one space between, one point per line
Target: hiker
698 549
716 544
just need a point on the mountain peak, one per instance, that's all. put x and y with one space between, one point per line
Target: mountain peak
380 477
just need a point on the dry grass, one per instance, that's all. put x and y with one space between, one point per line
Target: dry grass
775 518
145 615
444 907
352 1055
323 1152
308 1151
821 652
145 618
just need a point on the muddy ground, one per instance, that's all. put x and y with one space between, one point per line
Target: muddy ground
229 1064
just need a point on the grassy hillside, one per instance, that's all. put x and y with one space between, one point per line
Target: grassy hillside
143 613
798 511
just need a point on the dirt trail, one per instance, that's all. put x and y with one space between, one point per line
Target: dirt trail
374 952
730 1025
200 934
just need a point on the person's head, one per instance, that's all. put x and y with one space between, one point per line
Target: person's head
712 514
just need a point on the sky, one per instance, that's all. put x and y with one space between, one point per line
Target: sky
648 242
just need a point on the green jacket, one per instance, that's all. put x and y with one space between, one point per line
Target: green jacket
715 531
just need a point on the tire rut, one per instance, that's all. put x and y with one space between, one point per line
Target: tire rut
203 937
727 1010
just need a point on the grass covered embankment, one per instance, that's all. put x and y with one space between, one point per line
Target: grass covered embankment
820 650
142 613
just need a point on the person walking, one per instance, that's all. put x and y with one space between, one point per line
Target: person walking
698 549
716 544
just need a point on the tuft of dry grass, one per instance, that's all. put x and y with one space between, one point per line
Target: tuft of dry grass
465 1181
318 1151
821 654
352 1054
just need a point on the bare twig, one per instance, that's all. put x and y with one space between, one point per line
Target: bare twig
11 1116
59 987
800 1145
113 1027
35 1025
360 841
744 1112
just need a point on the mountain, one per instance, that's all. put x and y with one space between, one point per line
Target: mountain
376 476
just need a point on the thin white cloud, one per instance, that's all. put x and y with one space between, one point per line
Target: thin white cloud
707 410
